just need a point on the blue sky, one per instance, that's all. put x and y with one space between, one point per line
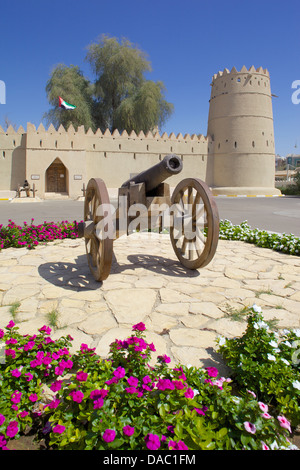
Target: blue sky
187 41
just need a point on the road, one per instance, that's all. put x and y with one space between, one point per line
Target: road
280 214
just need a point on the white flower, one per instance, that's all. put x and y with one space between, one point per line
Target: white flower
260 324
287 343
285 361
297 332
221 340
273 344
271 357
296 384
256 308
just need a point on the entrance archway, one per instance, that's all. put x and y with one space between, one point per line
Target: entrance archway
56 177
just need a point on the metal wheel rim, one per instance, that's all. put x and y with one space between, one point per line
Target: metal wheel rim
197 249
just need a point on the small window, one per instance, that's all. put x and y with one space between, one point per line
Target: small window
120 146
235 145
238 79
253 143
56 144
72 144
94 146
41 143
3 153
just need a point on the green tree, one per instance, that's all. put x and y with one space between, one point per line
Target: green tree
73 87
125 99
120 98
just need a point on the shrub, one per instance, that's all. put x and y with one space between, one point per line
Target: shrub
122 402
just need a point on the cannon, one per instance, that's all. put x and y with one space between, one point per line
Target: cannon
190 215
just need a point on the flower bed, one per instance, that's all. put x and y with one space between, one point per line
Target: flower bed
18 236
123 403
288 244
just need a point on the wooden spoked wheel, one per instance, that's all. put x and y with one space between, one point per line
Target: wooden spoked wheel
194 231
97 218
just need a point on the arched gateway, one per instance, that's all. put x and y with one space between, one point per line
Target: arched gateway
56 177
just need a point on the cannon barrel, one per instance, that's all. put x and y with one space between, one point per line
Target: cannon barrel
169 166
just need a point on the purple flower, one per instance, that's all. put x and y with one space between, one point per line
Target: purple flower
128 430
109 435
152 441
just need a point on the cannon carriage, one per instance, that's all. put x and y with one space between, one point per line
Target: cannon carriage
190 215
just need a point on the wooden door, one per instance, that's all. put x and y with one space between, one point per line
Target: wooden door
56 178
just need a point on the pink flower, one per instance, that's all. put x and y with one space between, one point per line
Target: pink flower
212 371
166 359
29 345
2 419
152 441
15 373
139 327
251 393
151 347
250 427
128 430
95 394
11 324
81 376
59 429
109 435
23 414
56 386
10 352
54 404
33 397
284 423
1 334
98 403
165 384
180 445
45 329
189 393
264 408
266 415
28 376
12 429
133 381
119 373
16 396
77 396
264 446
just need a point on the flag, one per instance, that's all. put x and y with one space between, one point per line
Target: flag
63 104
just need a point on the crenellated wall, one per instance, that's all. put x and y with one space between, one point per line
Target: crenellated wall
237 155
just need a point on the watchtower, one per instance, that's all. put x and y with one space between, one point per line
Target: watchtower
241 133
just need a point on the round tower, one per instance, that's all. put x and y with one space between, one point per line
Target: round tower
241 133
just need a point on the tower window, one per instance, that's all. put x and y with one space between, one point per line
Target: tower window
235 145
253 143
238 79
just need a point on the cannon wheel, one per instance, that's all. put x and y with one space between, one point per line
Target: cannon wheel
99 248
194 231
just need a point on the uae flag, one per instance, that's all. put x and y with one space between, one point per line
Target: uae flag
63 104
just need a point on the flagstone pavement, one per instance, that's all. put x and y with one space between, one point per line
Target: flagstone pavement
184 311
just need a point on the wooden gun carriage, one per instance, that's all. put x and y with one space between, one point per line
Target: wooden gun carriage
191 214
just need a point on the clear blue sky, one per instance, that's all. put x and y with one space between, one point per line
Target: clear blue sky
187 41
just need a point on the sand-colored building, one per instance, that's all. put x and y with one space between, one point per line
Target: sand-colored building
235 157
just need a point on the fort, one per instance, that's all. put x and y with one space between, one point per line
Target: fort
235 157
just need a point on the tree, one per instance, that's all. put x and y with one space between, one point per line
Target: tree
120 98
124 98
73 87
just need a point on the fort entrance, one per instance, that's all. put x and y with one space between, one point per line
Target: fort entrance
56 177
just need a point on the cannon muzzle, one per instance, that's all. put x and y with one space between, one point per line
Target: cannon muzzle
154 176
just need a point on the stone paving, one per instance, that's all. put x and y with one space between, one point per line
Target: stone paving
184 311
